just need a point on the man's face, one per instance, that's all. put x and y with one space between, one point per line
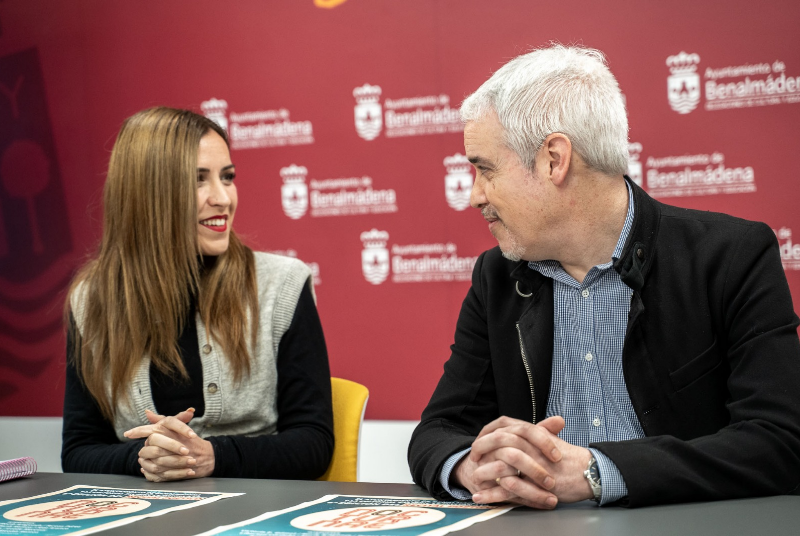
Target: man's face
509 196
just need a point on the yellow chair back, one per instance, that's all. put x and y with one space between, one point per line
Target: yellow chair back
349 403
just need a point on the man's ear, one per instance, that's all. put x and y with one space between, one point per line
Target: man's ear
556 156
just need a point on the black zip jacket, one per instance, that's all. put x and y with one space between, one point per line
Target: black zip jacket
711 360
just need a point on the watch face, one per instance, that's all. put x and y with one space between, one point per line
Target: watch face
594 472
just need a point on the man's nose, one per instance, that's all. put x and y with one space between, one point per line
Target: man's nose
476 197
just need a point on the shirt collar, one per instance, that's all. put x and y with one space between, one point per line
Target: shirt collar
626 227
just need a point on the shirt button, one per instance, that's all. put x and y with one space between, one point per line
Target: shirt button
585 293
588 356
206 348
596 421
212 388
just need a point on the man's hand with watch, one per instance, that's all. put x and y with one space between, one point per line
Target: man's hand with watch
508 466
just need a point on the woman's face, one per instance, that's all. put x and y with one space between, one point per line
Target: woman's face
216 194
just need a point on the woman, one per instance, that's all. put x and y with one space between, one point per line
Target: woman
175 312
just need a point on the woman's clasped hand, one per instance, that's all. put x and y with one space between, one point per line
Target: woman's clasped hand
172 451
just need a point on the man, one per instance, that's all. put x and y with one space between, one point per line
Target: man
624 350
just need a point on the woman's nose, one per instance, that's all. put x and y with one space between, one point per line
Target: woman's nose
218 196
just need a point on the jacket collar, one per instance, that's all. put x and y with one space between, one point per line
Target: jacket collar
636 259
528 281
637 255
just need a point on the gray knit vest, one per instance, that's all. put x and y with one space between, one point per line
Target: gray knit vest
248 407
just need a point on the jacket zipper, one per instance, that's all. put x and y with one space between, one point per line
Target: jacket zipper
528 371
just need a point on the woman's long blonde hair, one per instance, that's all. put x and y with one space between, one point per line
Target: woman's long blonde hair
137 291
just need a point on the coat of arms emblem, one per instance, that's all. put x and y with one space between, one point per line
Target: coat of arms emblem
216 110
458 181
375 256
683 85
368 111
294 192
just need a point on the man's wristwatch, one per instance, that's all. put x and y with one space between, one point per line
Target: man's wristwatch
592 474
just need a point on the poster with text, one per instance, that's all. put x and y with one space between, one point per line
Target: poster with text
89 509
341 515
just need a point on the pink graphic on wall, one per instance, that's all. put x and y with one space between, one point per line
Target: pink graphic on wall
34 231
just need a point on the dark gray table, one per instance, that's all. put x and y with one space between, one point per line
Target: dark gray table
764 516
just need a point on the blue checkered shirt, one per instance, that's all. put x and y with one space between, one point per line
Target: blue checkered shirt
587 386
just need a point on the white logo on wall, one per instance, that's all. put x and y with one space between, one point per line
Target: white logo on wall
346 196
754 89
733 86
458 181
412 263
368 112
259 129
790 252
375 256
412 116
683 85
294 192
315 272
697 174
216 110
634 165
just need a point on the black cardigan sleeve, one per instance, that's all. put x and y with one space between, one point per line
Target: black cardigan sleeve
89 443
303 446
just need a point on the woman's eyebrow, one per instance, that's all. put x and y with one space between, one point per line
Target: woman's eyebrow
206 170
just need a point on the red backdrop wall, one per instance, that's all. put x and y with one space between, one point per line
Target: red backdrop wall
343 119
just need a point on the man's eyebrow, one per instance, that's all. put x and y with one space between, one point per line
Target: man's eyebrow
481 161
206 170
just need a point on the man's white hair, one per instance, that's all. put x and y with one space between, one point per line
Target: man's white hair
557 89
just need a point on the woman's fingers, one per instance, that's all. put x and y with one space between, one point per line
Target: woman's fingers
153 452
184 416
165 425
168 426
140 431
170 444
167 463
175 474
152 416
174 424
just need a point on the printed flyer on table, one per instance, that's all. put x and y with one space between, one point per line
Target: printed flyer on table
341 515
89 509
